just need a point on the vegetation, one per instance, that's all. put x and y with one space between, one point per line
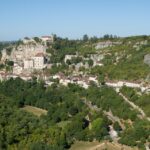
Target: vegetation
37 117
66 118
141 100
20 129
137 135
36 111
122 61
107 99
38 40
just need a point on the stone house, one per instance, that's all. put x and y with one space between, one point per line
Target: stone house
17 69
69 57
49 39
38 61
28 64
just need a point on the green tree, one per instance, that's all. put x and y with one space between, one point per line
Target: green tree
90 62
117 126
85 38
37 39
10 63
101 79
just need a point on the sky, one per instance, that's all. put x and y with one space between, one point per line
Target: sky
73 18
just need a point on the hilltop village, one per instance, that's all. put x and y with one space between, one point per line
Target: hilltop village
65 91
33 57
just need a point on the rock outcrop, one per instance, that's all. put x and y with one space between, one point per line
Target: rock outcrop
23 51
147 59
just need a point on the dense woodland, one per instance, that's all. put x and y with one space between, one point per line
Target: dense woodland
139 99
68 118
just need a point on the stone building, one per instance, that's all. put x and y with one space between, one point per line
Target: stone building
28 64
69 57
39 61
17 69
48 39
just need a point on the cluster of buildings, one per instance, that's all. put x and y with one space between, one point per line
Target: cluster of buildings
30 55
83 81
95 58
36 62
86 80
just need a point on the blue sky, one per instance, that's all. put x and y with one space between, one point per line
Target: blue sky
73 18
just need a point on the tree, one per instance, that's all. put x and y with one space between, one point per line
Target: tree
40 146
26 38
10 63
0 55
97 124
101 79
94 39
2 66
9 50
99 128
38 40
90 62
73 110
68 62
117 126
54 37
85 38
49 50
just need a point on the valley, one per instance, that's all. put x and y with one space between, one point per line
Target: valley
90 94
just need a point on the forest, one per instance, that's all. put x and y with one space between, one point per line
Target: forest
68 118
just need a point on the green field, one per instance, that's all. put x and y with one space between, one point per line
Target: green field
34 110
99 146
63 124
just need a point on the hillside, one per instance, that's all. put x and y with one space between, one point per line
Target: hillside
62 94
116 58
123 57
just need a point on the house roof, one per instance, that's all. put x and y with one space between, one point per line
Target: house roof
39 55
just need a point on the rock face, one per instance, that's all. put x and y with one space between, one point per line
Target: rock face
147 59
25 51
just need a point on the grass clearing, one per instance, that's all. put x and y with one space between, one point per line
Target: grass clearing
63 124
80 145
35 110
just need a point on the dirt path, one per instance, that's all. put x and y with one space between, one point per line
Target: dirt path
134 106
108 114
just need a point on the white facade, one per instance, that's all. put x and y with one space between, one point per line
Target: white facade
38 61
69 57
47 38
17 69
28 64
